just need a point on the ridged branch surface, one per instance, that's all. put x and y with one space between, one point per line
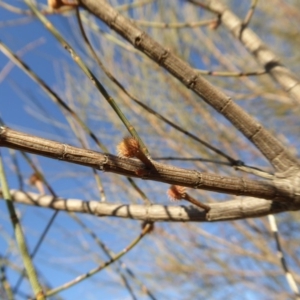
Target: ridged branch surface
269 146
277 190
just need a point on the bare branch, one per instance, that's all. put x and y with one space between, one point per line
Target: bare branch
280 189
229 210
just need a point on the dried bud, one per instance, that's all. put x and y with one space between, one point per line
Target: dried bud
214 25
36 180
176 192
56 4
129 147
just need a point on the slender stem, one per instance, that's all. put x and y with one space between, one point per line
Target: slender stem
231 74
225 163
192 200
32 275
53 96
174 25
5 283
80 278
289 277
89 74
250 13
110 254
134 4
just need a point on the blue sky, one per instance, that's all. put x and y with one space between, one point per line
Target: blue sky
27 108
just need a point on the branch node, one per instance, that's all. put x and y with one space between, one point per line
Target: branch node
101 166
163 56
63 156
138 40
199 180
226 105
191 82
113 20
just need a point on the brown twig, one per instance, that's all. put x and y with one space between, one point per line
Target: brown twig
277 189
177 192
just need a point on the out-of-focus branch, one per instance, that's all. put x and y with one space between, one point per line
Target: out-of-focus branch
229 210
147 229
289 277
19 236
231 74
265 57
250 13
177 25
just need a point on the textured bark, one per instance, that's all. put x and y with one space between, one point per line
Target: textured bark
279 189
269 146
229 210
264 56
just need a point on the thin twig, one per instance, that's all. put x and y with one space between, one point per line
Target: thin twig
231 74
176 192
30 269
134 4
225 163
53 96
250 13
8 67
48 226
89 74
110 254
5 283
174 25
56 99
289 277
102 266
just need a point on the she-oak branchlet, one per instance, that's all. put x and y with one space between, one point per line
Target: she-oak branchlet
177 192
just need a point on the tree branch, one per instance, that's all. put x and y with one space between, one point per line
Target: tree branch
277 189
229 210
264 56
269 146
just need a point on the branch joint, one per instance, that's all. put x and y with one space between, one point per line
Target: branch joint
163 56
191 82
199 181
